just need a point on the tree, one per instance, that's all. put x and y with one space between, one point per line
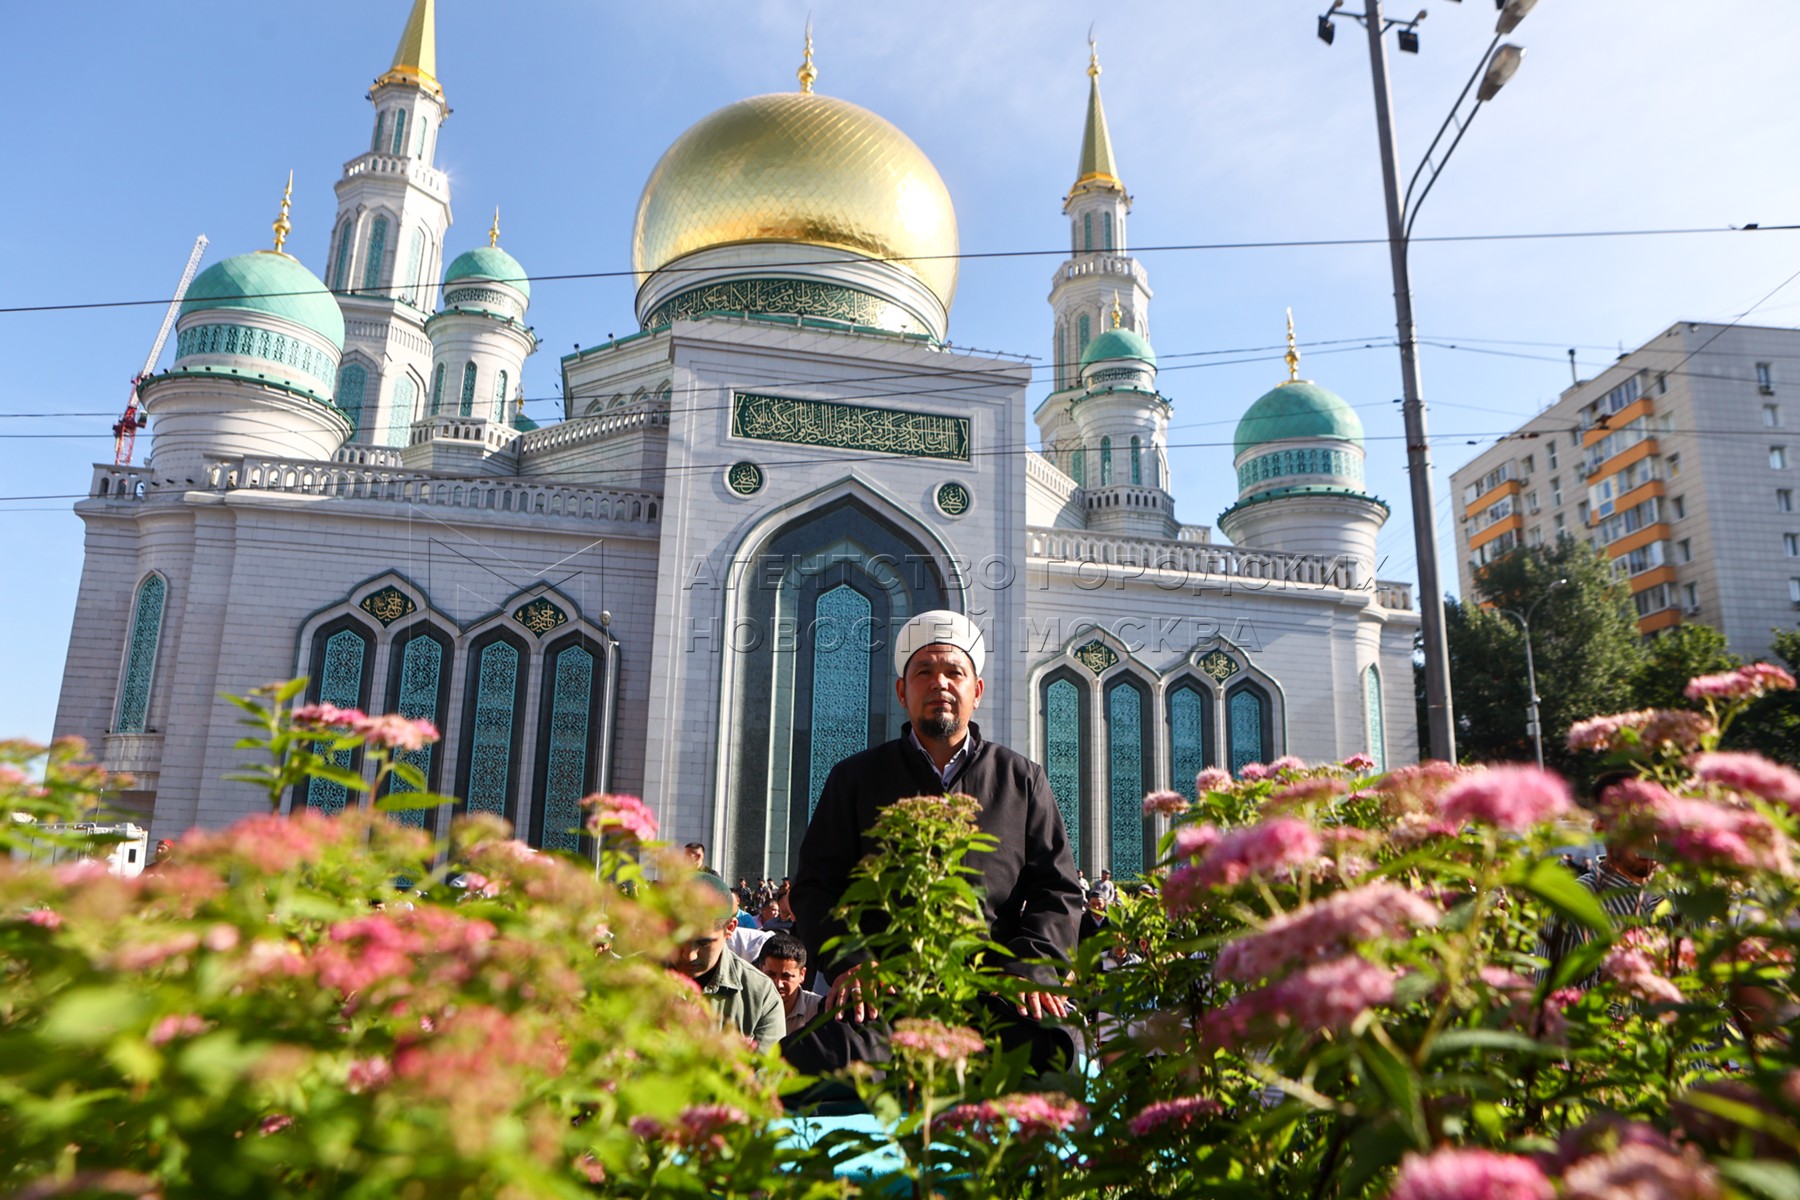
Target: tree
1771 726
1584 641
1675 657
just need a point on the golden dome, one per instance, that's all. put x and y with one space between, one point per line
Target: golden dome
801 168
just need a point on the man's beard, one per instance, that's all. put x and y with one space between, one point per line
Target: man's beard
943 726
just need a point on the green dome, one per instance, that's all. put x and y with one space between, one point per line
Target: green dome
1298 410
491 263
523 423
267 282
1118 343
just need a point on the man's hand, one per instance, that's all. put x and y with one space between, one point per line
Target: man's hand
1037 1005
846 998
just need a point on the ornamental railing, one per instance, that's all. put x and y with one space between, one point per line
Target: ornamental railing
587 429
491 434
1090 262
1043 472
368 456
121 483
1113 496
1132 557
395 164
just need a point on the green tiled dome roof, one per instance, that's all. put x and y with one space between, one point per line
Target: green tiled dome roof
1118 343
1298 410
268 282
492 263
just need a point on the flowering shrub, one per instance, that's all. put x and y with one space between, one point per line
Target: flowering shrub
1345 985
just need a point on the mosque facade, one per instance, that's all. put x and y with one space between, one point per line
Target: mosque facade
686 587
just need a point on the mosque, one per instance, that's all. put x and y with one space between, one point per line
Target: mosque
686 587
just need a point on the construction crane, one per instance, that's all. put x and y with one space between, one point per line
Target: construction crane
125 429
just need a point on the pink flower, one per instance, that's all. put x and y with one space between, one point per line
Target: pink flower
1183 895
1212 779
1704 832
1507 797
145 956
1553 1017
174 1026
703 1126
1320 789
1032 1114
621 814
328 716
1287 762
1324 996
1175 1115
1253 772
1750 773
1324 929
367 1074
274 1123
1165 804
1676 728
1640 1171
1195 839
1633 971
1750 680
44 918
648 1128
1359 762
1261 849
395 732
1454 1174
934 1039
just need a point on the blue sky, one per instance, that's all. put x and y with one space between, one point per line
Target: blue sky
139 126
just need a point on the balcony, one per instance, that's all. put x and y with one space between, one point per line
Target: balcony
1509 487
1514 523
1615 421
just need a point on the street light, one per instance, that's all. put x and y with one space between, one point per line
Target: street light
1532 725
1498 63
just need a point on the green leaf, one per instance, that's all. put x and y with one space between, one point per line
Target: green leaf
1765 1177
404 801
1401 1084
1556 886
93 1015
1451 1041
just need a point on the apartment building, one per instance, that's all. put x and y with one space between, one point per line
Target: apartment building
1680 462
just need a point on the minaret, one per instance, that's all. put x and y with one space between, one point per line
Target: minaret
1097 272
387 247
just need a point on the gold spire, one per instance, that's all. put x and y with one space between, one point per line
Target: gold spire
1096 164
415 59
1293 353
282 225
494 233
1117 315
807 72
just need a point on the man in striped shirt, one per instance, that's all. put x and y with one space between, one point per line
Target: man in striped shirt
1620 880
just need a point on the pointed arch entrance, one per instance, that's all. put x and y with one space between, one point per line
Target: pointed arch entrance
812 615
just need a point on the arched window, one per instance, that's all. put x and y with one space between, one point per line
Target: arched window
419 688
1064 707
802 700
1190 735
490 737
500 399
414 263
1106 221
352 381
1137 459
377 252
1085 331
424 126
375 142
1127 749
1061 370
437 391
1078 466
1105 461
140 655
343 654
1087 231
399 146
400 412
1074 236
467 406
840 683
1249 730
568 760
1377 717
340 277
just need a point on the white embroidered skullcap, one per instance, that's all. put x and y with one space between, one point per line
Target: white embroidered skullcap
940 625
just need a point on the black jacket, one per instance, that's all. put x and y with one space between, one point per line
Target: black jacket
1032 899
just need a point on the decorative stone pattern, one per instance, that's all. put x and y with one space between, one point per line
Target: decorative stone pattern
246 342
388 604
565 770
421 679
540 615
340 683
1188 727
1246 716
1377 718
1218 664
836 426
1340 464
1063 738
840 697
1096 656
479 297
491 734
1125 779
953 499
744 478
789 297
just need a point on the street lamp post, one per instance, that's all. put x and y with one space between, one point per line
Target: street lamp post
1498 64
1532 725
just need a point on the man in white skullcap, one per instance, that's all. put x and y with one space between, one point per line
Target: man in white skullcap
1030 893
